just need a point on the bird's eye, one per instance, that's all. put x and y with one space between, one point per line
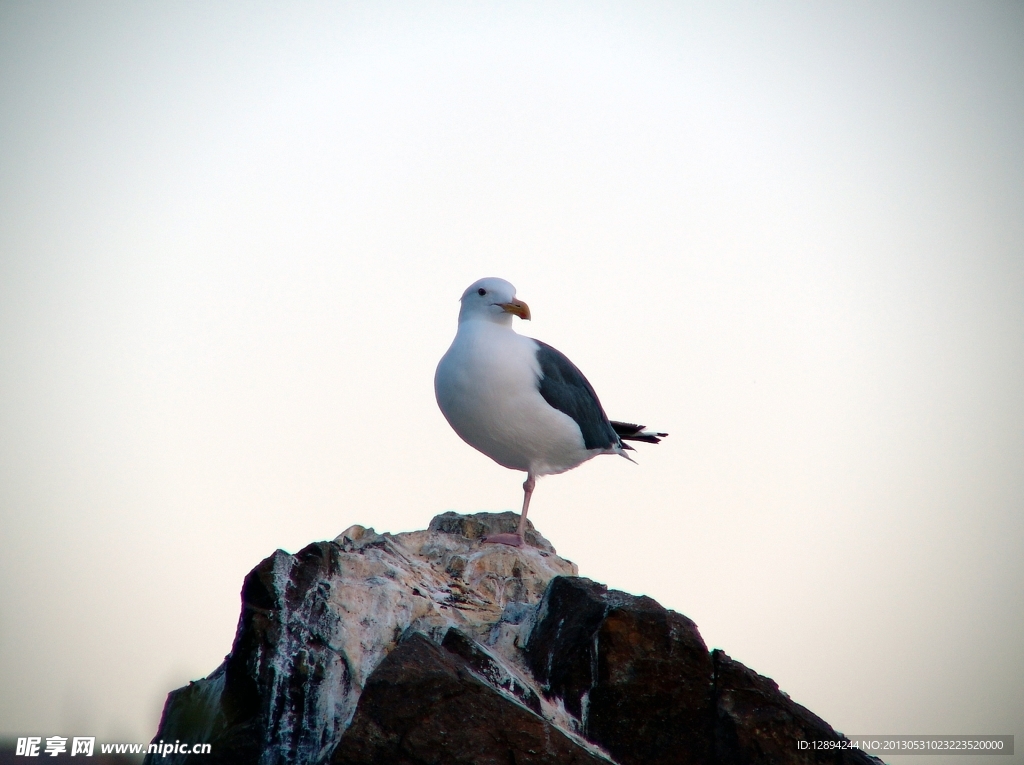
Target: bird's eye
481 291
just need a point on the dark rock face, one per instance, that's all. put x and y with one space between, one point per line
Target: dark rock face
489 668
756 722
429 647
637 675
282 642
641 682
267 697
424 705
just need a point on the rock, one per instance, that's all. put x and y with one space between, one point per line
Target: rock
490 668
424 705
756 723
635 675
431 647
480 525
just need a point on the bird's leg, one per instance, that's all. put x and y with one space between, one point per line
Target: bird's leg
528 485
517 539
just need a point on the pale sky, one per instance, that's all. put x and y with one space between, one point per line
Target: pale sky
232 241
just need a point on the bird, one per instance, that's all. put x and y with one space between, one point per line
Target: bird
518 400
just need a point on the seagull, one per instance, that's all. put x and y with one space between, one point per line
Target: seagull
520 401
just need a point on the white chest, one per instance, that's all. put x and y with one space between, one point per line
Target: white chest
487 369
487 388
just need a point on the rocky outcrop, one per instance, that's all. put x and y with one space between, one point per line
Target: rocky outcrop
430 647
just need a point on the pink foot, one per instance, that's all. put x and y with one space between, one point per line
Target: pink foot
513 540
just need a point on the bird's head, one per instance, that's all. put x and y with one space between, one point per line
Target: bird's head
492 299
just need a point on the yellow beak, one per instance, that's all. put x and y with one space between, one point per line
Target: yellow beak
517 308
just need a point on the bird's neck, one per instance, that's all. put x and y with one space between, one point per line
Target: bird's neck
496 321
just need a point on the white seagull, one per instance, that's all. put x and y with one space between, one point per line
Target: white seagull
518 400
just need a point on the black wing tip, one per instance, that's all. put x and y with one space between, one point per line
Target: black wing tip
647 439
626 427
628 431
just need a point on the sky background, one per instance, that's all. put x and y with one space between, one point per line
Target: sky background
232 241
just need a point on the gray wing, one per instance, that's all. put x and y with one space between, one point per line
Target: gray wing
565 388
